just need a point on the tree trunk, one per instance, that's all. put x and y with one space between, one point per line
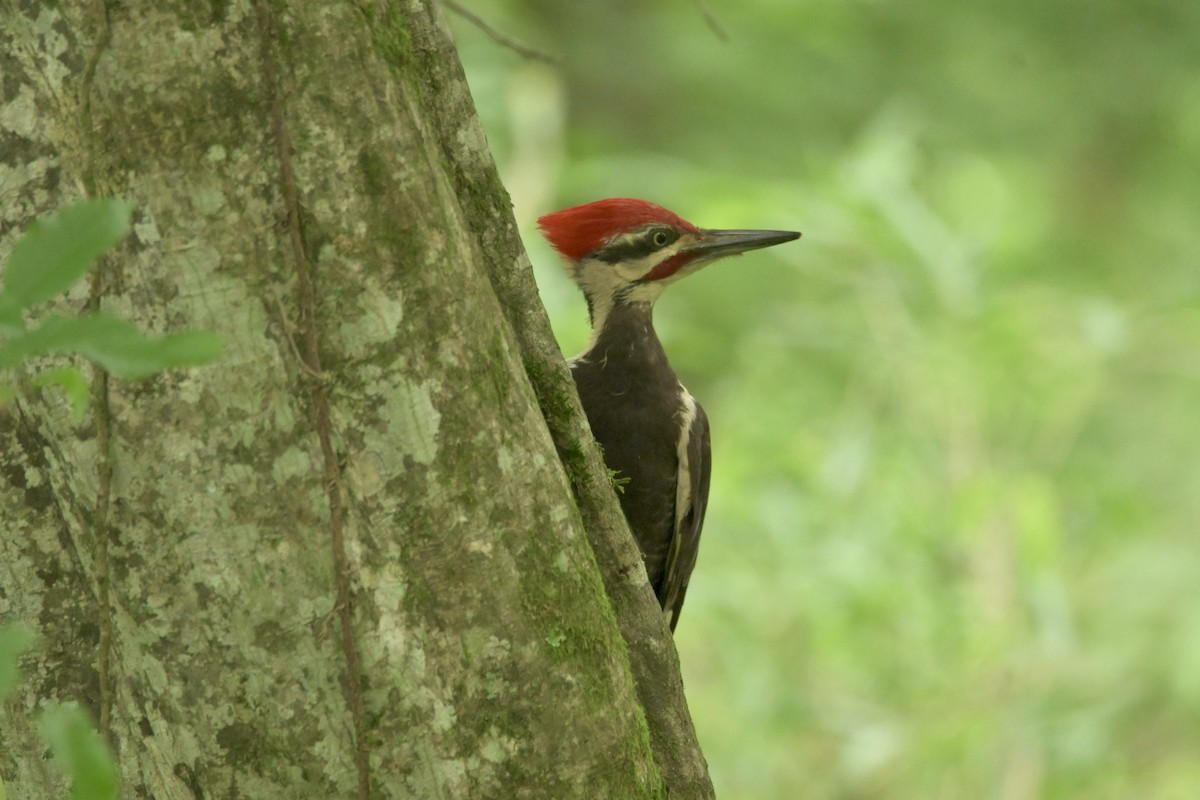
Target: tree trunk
372 552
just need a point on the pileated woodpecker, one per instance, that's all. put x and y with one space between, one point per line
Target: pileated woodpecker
623 253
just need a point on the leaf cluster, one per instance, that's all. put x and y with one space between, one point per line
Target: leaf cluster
67 729
55 252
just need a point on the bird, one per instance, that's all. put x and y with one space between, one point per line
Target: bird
622 253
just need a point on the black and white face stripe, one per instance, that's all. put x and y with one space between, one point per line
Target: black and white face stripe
615 273
637 245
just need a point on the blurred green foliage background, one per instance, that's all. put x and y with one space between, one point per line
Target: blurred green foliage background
952 545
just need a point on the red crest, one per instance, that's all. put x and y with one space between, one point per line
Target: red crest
580 230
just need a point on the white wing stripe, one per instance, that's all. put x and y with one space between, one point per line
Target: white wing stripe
683 488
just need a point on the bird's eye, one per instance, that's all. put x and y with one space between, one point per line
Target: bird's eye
660 238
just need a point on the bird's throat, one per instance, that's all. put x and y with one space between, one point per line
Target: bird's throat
623 338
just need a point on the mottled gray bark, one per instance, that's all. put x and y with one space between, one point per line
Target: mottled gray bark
348 559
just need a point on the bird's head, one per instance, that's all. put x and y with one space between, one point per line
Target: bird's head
625 250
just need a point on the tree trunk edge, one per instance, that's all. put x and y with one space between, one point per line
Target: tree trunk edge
488 211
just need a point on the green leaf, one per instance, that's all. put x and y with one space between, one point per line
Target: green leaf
57 334
79 750
114 344
127 353
58 249
15 639
73 383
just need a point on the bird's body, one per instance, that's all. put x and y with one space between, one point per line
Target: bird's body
649 427
654 434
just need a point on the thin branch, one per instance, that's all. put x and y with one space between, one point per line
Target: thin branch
498 37
711 21
101 411
319 400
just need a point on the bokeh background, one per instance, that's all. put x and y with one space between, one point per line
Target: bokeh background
953 546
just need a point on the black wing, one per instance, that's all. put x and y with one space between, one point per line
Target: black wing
695 467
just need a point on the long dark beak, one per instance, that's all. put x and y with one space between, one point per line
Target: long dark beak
715 244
